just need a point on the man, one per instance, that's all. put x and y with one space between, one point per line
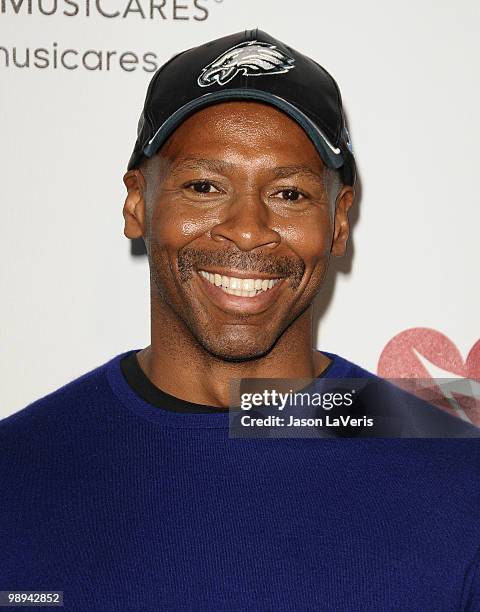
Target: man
124 490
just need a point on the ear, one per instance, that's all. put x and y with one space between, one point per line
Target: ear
134 207
341 228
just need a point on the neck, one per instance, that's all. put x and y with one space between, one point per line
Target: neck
177 364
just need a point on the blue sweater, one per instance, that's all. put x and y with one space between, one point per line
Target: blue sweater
124 506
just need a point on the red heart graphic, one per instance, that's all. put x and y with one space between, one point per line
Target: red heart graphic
400 359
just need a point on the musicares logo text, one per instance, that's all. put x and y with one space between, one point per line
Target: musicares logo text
175 10
54 56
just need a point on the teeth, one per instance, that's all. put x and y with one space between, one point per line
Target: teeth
244 287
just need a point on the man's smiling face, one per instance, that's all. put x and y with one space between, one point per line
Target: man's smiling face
239 225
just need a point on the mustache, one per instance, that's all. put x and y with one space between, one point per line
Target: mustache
190 259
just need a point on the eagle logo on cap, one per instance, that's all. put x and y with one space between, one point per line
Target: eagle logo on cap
251 58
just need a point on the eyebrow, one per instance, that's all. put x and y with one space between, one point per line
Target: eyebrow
221 167
198 163
286 171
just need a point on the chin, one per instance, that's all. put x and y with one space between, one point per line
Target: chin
236 346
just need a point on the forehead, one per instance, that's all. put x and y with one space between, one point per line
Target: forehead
245 130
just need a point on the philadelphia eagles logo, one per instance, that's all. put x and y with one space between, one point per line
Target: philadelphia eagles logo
249 58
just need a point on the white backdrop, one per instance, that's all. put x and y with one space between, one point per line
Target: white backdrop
72 294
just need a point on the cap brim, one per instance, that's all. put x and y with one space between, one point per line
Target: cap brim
332 156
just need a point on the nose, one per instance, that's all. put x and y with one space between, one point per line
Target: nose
246 224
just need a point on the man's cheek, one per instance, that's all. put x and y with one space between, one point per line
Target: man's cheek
318 237
177 229
311 236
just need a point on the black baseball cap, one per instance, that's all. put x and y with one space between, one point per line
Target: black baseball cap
249 65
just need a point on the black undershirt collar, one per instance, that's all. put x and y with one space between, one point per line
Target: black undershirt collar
150 393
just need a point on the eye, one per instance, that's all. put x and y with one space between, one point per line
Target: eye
201 187
290 194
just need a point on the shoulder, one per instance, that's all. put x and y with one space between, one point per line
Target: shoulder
64 409
60 436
